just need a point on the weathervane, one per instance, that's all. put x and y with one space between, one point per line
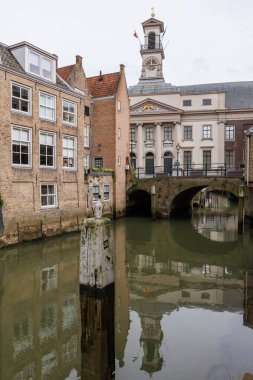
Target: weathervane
152 12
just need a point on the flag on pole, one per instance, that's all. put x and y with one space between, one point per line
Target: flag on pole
135 34
164 32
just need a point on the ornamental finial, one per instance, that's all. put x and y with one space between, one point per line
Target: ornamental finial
153 12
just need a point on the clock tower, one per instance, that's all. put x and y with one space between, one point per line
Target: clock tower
152 50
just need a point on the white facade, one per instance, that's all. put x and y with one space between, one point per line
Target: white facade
172 129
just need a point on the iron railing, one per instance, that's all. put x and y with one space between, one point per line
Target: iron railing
190 170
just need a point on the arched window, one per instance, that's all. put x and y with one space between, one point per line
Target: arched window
167 157
149 161
151 40
133 160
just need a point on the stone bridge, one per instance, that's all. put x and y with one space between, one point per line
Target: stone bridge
170 196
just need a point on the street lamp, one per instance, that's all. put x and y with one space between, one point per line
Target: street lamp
177 148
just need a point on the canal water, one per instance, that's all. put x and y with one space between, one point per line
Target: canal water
182 308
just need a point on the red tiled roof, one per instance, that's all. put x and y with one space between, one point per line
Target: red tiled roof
64 71
104 85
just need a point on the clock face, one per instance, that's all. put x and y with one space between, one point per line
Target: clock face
151 63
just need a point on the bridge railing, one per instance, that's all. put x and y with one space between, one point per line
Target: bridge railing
190 170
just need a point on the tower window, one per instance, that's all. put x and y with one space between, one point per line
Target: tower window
151 40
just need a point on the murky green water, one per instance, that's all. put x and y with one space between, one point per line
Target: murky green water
183 306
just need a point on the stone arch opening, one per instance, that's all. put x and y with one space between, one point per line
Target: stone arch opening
168 162
139 203
149 163
151 40
181 206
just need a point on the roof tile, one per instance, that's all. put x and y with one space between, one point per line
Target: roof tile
103 85
65 71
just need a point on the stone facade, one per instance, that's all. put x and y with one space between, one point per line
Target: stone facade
194 125
41 182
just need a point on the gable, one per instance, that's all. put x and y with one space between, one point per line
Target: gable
153 22
150 106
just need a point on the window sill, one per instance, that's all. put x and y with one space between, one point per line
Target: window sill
48 208
21 113
21 167
48 168
49 120
69 169
69 124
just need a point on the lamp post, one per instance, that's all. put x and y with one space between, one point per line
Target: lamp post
177 148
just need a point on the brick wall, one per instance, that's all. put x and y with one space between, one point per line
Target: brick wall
20 187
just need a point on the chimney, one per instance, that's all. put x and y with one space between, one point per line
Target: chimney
100 76
122 67
79 59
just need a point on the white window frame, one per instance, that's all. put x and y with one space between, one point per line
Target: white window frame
29 142
208 102
86 136
96 193
119 105
29 101
54 149
207 132
228 132
187 130
106 193
64 137
119 160
47 206
86 161
47 107
99 160
74 123
41 60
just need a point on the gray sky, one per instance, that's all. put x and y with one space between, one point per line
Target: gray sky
209 41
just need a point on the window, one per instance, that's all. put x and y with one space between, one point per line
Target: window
47 149
150 133
86 136
151 40
187 159
21 146
86 111
229 132
167 133
48 195
230 158
98 161
132 134
69 152
119 133
95 191
69 112
40 66
119 105
207 132
20 98
187 132
119 160
207 102
133 160
86 160
185 294
187 103
207 159
49 278
47 106
106 192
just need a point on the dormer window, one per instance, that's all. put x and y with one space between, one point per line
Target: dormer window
41 66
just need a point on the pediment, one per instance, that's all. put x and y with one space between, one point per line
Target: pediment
153 22
150 106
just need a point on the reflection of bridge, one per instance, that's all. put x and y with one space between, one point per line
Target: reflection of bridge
167 196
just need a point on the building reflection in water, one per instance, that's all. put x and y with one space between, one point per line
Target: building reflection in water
40 319
97 342
166 274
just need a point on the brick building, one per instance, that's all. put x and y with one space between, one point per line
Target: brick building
110 131
42 145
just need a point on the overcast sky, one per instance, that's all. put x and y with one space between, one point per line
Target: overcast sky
209 41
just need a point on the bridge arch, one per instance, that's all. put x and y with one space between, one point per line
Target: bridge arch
139 203
172 195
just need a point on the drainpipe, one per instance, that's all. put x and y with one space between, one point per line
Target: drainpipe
248 134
